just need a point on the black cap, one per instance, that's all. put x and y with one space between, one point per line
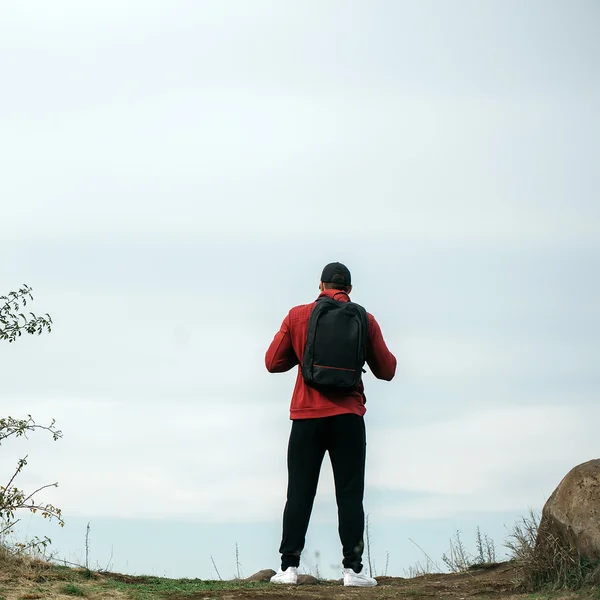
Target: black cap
336 273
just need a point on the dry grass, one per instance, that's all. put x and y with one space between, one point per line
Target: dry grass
26 579
553 574
23 577
544 561
15 566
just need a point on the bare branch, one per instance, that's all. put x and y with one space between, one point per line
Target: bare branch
49 485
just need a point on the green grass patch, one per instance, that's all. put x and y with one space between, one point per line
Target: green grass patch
70 589
150 588
592 593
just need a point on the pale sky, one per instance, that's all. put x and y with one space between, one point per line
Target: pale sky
174 176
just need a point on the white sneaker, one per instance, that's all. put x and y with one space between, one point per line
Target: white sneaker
358 579
289 576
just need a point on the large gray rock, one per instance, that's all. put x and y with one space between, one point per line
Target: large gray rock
572 513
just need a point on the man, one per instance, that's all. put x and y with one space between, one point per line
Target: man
326 420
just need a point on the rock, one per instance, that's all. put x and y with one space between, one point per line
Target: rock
572 513
264 575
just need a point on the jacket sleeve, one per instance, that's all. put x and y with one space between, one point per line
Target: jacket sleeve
280 356
380 360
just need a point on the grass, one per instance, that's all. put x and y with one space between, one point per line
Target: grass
58 582
150 588
553 574
70 589
544 561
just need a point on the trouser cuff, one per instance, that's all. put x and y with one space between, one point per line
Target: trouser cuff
289 561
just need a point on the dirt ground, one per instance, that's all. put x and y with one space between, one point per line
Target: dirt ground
43 581
494 583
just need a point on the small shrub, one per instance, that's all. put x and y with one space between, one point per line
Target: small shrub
458 559
419 569
486 550
13 323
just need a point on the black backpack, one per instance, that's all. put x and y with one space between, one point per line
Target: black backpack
336 345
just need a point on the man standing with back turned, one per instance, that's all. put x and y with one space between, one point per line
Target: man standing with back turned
330 340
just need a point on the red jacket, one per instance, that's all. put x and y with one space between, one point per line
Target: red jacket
288 346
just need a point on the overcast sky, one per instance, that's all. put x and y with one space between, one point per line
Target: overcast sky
173 178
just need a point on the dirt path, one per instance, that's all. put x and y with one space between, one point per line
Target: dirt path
493 583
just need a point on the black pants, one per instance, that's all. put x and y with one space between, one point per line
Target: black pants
344 437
